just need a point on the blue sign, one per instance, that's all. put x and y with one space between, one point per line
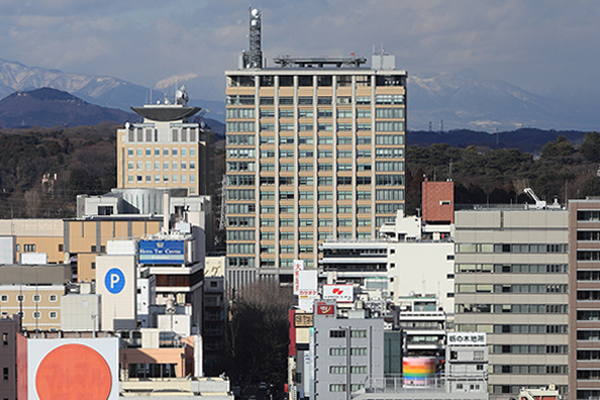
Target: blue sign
162 252
114 280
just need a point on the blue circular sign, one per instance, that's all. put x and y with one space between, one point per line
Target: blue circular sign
114 280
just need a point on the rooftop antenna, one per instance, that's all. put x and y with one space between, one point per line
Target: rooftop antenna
255 55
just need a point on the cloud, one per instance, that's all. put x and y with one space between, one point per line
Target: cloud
172 80
520 41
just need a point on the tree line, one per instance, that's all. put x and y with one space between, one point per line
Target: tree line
482 175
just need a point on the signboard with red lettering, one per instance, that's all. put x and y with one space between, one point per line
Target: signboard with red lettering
324 308
339 293
298 266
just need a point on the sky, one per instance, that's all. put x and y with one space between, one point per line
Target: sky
550 47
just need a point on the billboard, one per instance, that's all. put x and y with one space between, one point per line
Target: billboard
73 369
298 266
466 338
339 293
162 252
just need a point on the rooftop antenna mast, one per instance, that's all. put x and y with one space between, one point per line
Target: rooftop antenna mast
255 55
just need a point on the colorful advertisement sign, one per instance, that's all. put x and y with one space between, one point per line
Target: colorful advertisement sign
162 252
339 293
418 371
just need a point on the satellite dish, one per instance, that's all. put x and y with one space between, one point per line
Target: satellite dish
255 12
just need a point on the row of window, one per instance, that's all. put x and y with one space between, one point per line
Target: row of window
175 165
342 369
380 194
250 180
245 208
328 127
588 255
588 295
382 140
341 351
515 389
249 99
175 178
35 314
270 249
309 235
139 152
284 262
512 268
151 135
510 248
588 315
588 215
523 288
36 298
588 335
512 308
380 112
529 349
531 329
341 387
320 80
341 333
530 369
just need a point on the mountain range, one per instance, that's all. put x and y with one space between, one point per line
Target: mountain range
51 107
439 103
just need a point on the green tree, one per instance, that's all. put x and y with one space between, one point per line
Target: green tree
591 187
561 147
590 148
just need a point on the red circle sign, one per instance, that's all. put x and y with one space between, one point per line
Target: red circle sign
72 372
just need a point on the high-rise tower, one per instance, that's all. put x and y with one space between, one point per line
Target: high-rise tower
315 150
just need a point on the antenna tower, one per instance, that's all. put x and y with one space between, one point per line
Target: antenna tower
255 55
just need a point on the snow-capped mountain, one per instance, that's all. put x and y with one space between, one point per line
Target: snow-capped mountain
466 101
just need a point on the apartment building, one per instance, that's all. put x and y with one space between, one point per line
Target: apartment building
315 150
512 281
584 309
166 150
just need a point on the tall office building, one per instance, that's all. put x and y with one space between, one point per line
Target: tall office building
166 151
584 312
315 150
512 282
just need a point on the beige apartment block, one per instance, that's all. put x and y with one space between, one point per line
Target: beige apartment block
315 151
36 236
40 305
512 281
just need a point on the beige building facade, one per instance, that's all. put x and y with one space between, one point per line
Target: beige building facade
39 304
512 282
166 151
315 150
86 238
36 236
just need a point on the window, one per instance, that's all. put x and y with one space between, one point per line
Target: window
36 298
29 247
53 297
37 314
4 298
53 314
20 298
337 334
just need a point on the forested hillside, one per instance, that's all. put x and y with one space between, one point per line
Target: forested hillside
82 158
484 176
